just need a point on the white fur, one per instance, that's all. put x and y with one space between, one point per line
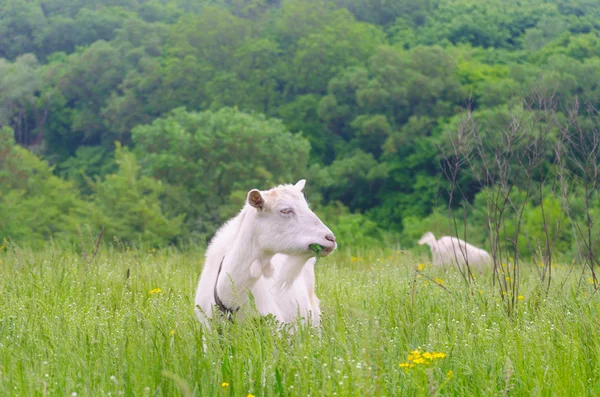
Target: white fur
451 250
265 250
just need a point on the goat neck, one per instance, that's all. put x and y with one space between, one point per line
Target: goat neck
239 273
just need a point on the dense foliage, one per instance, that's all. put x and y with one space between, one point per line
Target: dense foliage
153 118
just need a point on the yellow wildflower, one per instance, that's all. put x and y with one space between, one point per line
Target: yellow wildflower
508 279
224 384
155 291
450 374
439 281
520 297
591 280
172 332
426 358
354 259
413 355
250 395
421 267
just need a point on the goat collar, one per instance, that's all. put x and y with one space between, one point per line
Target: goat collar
228 312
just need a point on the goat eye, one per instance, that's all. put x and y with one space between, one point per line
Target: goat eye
286 211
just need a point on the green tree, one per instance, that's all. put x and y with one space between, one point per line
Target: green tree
83 82
88 162
21 22
35 205
88 26
496 23
128 205
212 37
323 53
353 180
23 106
382 12
301 115
393 110
212 158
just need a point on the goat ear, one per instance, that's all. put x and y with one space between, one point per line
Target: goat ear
300 184
256 200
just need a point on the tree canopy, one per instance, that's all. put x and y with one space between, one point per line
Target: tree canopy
154 118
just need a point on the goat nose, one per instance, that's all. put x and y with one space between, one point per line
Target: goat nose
330 237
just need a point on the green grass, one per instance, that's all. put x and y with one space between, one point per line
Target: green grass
71 326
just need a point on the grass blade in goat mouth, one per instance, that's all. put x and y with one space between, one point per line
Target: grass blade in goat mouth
317 249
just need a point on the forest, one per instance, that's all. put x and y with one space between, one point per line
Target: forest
151 120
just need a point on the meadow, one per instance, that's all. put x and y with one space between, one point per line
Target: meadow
122 323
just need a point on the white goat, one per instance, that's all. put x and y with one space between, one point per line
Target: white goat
265 250
451 250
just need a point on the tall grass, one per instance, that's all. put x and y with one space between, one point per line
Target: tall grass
123 324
